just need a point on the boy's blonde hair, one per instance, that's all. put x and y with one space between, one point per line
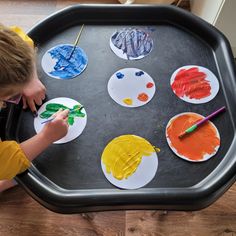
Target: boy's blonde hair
16 61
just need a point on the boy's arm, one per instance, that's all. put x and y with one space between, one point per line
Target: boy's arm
15 158
35 145
51 132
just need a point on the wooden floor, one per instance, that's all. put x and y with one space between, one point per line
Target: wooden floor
21 215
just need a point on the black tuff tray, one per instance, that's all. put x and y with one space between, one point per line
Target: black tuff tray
68 178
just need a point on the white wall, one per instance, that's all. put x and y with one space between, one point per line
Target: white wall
221 14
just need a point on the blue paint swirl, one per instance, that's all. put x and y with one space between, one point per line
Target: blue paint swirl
119 75
139 73
135 43
67 67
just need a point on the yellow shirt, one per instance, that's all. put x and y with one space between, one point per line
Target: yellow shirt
12 160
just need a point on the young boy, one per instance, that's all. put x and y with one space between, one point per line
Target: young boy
18 76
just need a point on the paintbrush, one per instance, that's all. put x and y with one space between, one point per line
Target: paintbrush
71 111
195 126
76 42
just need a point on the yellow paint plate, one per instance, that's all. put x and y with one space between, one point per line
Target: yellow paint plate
129 162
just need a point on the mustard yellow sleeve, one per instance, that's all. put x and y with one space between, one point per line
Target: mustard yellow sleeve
23 35
12 160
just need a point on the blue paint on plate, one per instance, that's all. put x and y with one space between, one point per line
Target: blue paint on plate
67 66
119 75
139 73
135 43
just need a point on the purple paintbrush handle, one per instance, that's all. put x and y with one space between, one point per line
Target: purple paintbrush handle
210 116
49 120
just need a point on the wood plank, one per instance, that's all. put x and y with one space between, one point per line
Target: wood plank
20 213
28 217
28 13
217 219
21 20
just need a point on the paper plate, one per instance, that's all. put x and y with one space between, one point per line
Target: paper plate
131 43
194 84
131 87
188 141
144 173
59 62
74 130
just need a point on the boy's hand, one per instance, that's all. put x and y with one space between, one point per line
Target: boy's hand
57 128
33 93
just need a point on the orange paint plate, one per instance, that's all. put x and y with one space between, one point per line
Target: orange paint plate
198 146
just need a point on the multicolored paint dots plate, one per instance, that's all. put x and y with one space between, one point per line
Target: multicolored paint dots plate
129 162
194 84
77 118
59 63
131 43
131 87
198 146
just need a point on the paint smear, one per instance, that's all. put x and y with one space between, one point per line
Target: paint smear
123 155
52 108
128 101
134 43
194 146
59 63
77 117
191 83
143 97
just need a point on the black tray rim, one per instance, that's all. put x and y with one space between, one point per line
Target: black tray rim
196 197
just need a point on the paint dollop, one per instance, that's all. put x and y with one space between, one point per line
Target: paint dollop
149 85
123 155
197 145
139 73
143 97
119 75
128 101
191 83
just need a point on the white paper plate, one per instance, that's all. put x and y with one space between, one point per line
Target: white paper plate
67 67
74 131
213 82
127 43
125 84
142 176
206 156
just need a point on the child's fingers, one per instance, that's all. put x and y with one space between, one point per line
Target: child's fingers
43 97
24 103
66 120
31 105
38 101
58 112
62 114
